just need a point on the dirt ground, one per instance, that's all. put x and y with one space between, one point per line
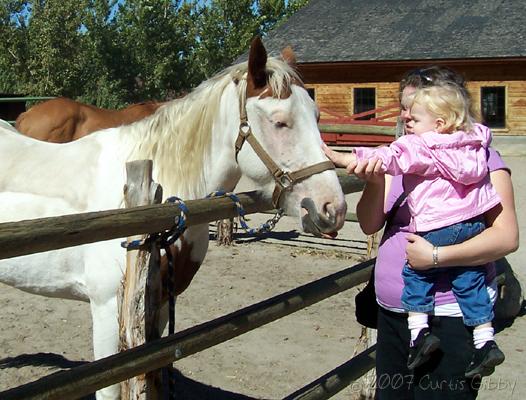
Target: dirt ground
40 335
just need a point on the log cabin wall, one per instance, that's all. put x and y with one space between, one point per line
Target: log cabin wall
338 97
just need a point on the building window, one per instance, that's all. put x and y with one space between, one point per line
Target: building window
493 106
312 93
364 100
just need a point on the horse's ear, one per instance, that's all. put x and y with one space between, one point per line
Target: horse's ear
257 61
288 55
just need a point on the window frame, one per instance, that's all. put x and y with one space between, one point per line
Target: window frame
355 103
502 119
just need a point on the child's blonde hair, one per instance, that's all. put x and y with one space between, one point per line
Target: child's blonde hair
449 102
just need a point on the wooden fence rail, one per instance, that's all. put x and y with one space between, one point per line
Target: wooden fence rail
361 129
44 234
338 379
88 378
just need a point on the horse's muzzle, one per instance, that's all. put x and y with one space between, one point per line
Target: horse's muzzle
319 223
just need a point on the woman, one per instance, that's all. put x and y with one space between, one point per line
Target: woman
442 376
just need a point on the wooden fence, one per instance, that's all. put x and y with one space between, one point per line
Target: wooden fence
26 237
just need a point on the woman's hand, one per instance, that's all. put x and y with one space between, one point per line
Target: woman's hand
419 252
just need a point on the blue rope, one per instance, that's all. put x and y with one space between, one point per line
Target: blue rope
180 220
169 236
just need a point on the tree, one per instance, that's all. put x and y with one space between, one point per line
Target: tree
274 12
113 52
104 61
155 36
54 47
13 46
226 27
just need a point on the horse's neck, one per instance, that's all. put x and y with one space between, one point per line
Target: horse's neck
187 162
222 170
175 164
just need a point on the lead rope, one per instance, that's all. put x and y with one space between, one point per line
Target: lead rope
167 239
263 228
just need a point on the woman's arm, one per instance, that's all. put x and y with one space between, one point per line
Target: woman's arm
500 238
370 207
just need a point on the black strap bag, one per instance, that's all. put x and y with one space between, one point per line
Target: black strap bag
366 307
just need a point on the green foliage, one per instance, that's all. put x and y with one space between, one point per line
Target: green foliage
111 52
224 28
55 47
13 45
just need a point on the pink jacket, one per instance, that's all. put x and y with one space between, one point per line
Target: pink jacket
445 175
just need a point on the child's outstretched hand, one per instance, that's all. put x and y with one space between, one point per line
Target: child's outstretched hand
345 160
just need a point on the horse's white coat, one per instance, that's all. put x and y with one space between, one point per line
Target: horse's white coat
45 179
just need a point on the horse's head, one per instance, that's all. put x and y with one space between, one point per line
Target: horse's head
279 143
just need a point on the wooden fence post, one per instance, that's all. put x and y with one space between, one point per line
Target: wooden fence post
368 336
225 232
140 292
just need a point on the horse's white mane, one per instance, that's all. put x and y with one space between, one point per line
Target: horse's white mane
177 136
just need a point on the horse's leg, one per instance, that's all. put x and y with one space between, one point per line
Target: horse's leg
104 271
105 339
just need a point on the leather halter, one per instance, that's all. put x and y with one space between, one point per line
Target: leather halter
284 179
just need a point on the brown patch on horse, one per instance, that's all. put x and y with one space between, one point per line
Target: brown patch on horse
135 112
185 269
63 120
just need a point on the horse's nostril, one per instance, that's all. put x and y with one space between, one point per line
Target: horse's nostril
329 211
326 219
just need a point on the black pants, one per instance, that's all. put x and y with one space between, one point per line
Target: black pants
442 377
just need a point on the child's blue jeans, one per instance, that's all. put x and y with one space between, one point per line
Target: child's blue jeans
468 283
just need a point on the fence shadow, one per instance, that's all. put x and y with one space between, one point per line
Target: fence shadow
186 388
189 389
295 238
39 360
51 360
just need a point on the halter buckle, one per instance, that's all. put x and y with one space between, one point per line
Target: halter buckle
284 180
244 128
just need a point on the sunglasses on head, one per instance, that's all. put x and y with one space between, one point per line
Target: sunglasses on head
424 77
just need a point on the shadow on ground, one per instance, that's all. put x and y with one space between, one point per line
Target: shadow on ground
294 238
39 360
186 388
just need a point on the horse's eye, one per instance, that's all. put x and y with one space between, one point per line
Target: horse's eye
280 124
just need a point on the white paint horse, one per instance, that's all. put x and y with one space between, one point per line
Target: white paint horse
196 148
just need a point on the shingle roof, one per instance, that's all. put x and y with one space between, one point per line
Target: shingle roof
373 30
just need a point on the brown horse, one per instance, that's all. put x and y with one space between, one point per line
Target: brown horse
63 120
